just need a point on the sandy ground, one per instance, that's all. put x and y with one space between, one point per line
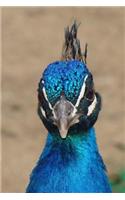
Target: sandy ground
31 39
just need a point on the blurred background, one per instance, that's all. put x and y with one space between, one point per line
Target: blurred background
32 37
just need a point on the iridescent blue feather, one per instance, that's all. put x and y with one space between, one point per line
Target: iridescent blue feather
64 76
72 165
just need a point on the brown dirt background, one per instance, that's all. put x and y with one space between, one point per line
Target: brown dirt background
31 39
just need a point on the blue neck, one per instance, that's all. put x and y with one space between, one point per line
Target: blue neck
74 146
70 165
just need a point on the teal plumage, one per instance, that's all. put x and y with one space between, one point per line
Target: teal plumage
72 165
63 76
69 106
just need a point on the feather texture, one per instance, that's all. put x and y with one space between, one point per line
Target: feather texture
70 165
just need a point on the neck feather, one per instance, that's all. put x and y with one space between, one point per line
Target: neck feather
70 165
74 146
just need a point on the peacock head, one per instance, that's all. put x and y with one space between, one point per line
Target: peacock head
67 99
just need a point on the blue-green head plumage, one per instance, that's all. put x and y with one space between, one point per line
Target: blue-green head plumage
67 97
64 76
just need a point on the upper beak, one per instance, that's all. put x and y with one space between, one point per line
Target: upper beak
64 115
63 126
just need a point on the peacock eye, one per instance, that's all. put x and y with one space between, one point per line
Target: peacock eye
89 94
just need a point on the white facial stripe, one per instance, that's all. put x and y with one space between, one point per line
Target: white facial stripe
43 112
51 108
45 95
92 106
81 92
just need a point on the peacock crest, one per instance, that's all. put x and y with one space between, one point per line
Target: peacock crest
71 48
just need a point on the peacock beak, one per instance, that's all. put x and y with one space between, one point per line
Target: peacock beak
63 126
64 116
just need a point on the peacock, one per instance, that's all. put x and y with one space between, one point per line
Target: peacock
68 106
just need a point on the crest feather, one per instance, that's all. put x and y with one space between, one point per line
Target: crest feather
71 48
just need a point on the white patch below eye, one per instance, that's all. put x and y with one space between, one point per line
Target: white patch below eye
43 112
92 106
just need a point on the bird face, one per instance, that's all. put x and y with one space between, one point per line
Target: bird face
67 98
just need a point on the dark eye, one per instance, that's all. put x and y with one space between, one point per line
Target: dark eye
89 94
